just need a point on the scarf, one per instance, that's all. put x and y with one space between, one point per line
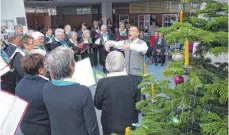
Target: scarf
63 43
123 33
64 82
26 52
42 47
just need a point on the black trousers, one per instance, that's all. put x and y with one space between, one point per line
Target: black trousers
158 57
95 56
102 55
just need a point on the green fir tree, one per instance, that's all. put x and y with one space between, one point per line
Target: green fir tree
199 106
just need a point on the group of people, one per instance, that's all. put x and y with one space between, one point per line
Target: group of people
59 105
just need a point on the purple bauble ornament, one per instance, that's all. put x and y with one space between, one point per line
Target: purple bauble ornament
178 79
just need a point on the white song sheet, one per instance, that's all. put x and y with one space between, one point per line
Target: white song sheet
12 109
83 73
4 68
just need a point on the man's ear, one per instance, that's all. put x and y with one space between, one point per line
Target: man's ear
41 71
73 66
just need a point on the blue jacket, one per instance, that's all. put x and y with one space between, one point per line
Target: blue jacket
36 119
71 109
10 50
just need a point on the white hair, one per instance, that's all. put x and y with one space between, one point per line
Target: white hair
60 62
29 33
85 32
103 26
72 33
37 35
59 30
115 62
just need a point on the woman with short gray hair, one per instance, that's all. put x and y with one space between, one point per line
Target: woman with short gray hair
68 103
59 39
116 96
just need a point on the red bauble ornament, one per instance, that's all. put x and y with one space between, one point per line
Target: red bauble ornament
178 79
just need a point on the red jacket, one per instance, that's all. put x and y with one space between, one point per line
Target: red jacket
152 40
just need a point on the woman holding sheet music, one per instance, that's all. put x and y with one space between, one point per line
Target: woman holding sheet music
72 43
8 81
85 46
30 88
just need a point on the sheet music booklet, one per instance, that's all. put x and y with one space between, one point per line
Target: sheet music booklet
12 112
83 73
4 67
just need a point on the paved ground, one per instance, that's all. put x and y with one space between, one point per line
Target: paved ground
155 70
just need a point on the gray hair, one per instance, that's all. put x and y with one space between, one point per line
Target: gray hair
59 30
12 37
104 25
95 22
115 61
29 32
60 62
121 23
85 32
37 35
72 33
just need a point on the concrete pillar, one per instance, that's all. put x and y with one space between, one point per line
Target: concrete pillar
11 9
106 11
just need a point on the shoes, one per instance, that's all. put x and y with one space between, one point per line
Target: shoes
156 64
162 64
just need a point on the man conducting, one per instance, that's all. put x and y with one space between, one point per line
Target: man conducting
134 49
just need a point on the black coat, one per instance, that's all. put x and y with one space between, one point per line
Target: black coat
80 35
70 109
36 119
94 34
10 50
116 97
66 37
8 81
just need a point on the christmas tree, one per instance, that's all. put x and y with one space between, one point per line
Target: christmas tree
199 104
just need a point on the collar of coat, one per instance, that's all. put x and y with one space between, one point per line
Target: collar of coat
113 74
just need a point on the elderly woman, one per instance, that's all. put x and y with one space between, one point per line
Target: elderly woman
28 45
105 36
14 41
123 32
72 39
28 48
117 96
8 81
72 43
39 42
70 105
85 44
58 40
95 34
30 88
